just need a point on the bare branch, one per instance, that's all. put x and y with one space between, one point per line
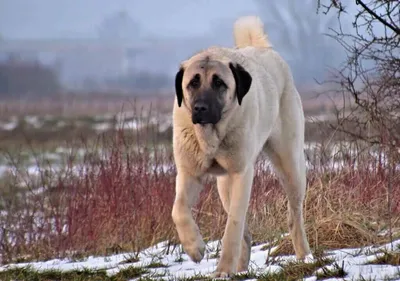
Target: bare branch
384 22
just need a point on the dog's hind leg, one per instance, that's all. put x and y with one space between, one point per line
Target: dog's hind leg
224 184
290 167
285 149
187 191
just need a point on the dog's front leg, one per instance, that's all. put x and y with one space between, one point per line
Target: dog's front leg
187 191
232 240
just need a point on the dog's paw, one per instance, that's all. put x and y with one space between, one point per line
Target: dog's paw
224 270
221 275
195 250
308 259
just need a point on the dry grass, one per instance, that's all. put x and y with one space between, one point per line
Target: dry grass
333 233
122 202
346 210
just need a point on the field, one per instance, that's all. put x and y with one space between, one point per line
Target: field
86 191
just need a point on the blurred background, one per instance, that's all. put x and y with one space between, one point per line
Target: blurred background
134 47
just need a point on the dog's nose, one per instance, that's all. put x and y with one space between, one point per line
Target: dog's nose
200 107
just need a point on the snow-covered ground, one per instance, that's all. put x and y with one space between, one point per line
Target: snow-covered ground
175 264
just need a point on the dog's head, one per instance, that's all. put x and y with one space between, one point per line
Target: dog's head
210 87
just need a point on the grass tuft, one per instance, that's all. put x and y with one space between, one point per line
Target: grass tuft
130 259
392 258
156 265
129 273
297 269
335 271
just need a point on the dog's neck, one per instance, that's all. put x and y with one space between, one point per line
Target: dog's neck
211 136
208 138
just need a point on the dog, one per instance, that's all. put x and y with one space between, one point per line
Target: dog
230 103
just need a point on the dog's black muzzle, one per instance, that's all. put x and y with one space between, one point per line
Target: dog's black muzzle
206 109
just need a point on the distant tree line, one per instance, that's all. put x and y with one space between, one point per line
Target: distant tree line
27 78
20 78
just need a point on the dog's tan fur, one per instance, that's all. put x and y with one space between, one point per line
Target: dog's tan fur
271 113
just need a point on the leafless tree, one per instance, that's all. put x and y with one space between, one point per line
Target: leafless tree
370 78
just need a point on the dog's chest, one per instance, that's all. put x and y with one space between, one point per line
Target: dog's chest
228 159
205 154
222 162
221 165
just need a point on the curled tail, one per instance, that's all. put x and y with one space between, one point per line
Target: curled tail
249 31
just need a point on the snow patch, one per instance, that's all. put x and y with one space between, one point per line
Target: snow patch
178 264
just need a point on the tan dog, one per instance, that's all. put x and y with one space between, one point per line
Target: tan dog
229 103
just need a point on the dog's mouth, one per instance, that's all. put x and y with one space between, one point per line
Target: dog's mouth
204 121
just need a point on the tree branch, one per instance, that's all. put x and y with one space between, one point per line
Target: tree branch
384 22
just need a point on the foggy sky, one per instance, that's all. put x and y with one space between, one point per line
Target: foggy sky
80 18
293 26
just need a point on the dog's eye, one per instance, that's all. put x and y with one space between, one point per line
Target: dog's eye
195 82
218 83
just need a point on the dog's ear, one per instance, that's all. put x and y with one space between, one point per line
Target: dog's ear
242 79
178 86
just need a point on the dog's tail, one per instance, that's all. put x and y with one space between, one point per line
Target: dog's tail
249 31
